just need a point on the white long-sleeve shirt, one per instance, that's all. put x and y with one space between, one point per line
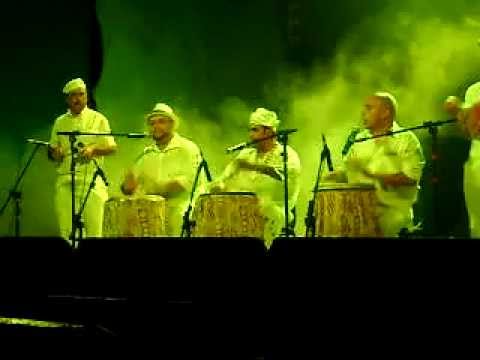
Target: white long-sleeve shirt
87 121
401 153
269 190
179 161
472 188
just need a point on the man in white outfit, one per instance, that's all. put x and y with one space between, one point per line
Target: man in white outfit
468 116
392 164
259 169
80 117
166 168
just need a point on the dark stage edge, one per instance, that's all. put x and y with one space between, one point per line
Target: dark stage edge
211 288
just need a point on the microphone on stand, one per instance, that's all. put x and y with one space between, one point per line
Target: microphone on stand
137 135
205 167
243 145
38 142
100 172
286 131
350 141
237 147
327 153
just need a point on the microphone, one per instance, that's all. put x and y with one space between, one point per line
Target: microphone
100 172
350 141
327 153
207 171
205 167
286 131
99 169
38 142
237 147
137 135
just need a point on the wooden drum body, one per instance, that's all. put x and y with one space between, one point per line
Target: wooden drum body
135 217
346 210
228 215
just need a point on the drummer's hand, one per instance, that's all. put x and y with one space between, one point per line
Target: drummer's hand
217 187
87 152
245 164
392 180
334 176
56 153
355 163
130 183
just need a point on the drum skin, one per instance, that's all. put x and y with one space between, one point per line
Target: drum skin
346 210
135 217
228 215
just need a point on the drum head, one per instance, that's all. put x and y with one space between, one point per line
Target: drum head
152 198
344 187
230 194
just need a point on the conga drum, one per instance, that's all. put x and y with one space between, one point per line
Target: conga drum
235 214
346 210
135 217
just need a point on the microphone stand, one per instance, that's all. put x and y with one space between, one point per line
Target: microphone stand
187 224
310 220
432 127
282 137
78 216
77 224
287 231
16 195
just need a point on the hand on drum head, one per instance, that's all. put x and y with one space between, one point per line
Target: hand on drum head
56 153
217 187
335 176
130 183
245 164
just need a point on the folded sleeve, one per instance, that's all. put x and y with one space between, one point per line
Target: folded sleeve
104 127
188 160
412 158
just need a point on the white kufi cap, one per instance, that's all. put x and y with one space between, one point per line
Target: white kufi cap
73 85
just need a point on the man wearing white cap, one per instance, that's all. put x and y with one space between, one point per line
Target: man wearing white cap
80 117
393 164
166 168
468 116
260 170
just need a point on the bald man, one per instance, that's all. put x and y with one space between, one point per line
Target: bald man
80 117
392 164
166 168
468 116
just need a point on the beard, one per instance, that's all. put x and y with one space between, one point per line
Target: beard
77 108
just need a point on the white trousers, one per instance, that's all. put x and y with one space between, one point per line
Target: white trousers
471 188
92 215
392 220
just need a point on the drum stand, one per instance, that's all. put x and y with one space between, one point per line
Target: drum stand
16 195
187 223
310 220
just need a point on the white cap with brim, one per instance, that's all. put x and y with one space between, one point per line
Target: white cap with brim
472 96
264 117
75 84
162 109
